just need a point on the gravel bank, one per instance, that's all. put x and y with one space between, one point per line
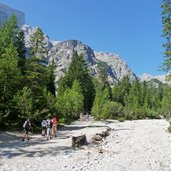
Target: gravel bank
142 145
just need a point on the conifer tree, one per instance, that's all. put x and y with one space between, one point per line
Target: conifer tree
166 21
8 34
21 49
78 71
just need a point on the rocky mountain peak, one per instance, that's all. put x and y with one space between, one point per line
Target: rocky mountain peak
118 66
6 12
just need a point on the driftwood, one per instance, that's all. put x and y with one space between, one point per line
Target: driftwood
100 136
78 141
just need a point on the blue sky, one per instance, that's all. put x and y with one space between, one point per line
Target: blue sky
130 28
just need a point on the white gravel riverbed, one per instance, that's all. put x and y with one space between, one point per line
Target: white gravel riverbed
141 145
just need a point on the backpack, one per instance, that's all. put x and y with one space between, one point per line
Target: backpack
44 123
49 123
26 124
54 120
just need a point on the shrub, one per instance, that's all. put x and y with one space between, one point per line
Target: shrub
169 128
111 110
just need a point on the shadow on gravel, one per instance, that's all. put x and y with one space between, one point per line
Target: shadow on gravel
74 128
12 146
51 151
123 129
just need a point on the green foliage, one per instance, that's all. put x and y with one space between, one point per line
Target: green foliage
101 97
8 34
9 73
78 71
121 90
166 102
24 103
38 45
51 78
27 87
70 103
21 49
111 110
166 21
169 128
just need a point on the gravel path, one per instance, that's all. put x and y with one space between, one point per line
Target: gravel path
142 145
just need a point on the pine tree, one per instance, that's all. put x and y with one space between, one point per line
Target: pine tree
21 49
70 103
8 34
36 75
78 70
9 79
166 21
24 105
51 78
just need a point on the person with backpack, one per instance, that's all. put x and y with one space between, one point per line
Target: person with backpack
54 126
27 128
44 125
49 127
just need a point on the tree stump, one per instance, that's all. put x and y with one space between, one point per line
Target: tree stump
78 141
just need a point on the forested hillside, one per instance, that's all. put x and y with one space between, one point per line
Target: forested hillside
28 90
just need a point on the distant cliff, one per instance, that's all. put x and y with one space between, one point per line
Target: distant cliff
61 52
114 67
6 12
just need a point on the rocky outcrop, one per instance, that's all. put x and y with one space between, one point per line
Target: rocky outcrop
28 32
148 77
118 67
62 51
6 12
114 66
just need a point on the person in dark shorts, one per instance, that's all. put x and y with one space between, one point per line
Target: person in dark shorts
27 128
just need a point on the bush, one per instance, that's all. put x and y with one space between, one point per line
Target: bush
169 128
111 110
153 114
140 113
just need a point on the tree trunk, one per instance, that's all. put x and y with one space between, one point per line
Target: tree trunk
78 141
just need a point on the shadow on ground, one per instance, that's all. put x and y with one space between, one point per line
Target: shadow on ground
12 146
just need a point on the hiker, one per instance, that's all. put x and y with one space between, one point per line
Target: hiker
27 128
81 117
54 126
87 117
44 125
49 127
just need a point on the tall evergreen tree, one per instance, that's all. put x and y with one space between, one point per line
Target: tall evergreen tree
8 34
78 71
166 21
9 78
51 78
36 76
21 49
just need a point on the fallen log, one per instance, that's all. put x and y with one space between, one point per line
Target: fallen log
78 141
100 136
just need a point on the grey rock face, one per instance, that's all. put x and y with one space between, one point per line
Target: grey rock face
6 12
118 67
115 67
62 53
28 32
162 78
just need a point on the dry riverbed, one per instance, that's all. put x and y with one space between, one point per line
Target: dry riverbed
141 145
